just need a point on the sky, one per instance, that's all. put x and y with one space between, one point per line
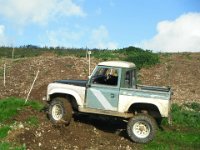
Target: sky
161 26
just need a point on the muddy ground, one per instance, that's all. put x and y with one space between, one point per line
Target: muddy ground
180 71
84 132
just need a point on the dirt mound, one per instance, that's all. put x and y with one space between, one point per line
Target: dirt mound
21 73
179 71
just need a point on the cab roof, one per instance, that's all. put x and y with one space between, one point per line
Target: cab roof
122 64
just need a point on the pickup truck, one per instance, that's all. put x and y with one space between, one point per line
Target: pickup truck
111 90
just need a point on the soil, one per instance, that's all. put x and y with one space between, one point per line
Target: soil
84 132
180 71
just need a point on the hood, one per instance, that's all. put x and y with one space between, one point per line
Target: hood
73 82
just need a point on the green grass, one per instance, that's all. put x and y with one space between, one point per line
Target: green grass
177 139
9 146
187 115
33 121
185 131
10 106
4 131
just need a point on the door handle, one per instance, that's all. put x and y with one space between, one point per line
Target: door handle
112 95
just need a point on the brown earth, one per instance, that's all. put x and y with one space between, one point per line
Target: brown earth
20 74
84 132
180 71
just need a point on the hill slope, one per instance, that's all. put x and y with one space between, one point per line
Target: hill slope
180 71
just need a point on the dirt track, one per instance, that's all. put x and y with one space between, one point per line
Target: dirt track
180 71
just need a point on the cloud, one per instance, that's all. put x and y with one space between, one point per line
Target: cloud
79 37
3 38
62 37
100 39
180 35
38 11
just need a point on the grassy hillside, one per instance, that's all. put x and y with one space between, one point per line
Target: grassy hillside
140 57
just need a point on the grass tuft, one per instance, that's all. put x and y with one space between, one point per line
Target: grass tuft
9 146
33 121
10 106
4 131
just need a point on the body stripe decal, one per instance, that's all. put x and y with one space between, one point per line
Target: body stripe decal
102 99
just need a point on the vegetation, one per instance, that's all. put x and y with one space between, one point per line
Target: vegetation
9 146
33 121
183 134
9 107
4 131
185 131
142 58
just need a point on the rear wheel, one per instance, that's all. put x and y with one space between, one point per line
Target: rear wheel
60 111
141 128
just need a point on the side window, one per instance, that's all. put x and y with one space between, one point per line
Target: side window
129 79
106 76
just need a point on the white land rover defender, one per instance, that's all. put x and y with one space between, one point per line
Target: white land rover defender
111 90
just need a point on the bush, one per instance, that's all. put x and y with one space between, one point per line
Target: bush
142 58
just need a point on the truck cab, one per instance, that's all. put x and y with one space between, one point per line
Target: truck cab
103 88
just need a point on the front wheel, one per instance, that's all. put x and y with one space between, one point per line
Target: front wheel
141 128
60 111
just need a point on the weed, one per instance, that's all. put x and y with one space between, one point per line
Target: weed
187 56
4 131
35 105
33 121
10 106
185 132
186 116
175 140
9 146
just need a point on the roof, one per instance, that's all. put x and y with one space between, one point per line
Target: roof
122 64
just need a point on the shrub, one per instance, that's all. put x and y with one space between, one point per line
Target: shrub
142 58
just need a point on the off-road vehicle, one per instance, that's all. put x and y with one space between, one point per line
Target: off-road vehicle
111 90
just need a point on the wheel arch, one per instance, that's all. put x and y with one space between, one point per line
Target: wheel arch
68 97
147 108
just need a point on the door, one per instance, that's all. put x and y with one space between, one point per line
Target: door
103 90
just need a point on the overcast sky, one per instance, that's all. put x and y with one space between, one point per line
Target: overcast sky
159 25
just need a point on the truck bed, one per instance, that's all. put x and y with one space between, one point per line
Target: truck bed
153 88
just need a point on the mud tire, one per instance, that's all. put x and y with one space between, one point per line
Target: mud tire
60 111
141 128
